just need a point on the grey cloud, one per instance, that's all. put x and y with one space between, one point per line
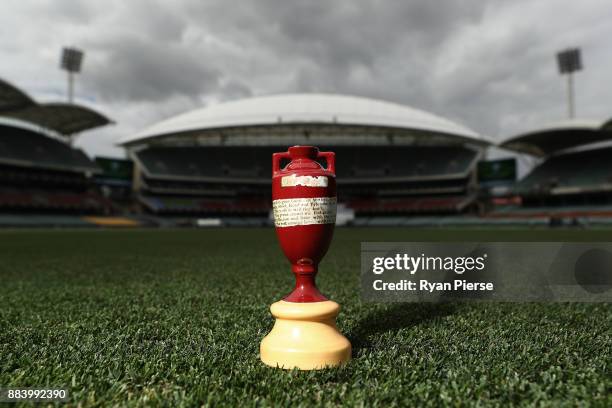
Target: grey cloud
234 90
68 12
139 70
488 64
347 46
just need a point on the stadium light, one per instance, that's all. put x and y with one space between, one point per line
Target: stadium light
71 61
569 61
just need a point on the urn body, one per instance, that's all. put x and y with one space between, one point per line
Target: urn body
304 205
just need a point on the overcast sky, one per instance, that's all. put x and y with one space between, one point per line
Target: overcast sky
489 65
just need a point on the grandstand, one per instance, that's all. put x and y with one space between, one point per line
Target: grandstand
575 175
392 159
40 172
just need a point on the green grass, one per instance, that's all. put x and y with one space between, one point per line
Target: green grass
175 318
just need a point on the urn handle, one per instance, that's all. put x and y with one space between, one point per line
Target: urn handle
330 159
276 159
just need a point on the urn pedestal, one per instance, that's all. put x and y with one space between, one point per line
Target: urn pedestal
304 335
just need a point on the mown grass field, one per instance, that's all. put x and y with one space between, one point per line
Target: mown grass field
175 317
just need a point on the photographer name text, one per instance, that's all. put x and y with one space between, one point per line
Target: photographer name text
423 263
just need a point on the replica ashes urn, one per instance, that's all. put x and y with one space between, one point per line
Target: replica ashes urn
304 335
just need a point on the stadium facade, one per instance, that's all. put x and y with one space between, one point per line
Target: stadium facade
40 170
396 165
392 159
574 176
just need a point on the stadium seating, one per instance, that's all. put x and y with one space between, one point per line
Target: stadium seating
404 161
355 163
23 147
189 205
185 205
448 204
197 162
199 188
374 179
20 176
40 174
572 173
40 200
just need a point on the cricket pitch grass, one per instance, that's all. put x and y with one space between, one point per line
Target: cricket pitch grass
175 317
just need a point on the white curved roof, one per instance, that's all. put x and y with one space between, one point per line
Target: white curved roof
558 136
63 118
303 109
566 124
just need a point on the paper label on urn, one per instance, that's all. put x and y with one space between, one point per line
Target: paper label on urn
304 211
306 181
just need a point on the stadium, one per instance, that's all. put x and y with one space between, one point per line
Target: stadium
43 174
35 152
397 166
574 175
122 284
393 159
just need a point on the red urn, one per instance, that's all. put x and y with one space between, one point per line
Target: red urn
304 205
304 335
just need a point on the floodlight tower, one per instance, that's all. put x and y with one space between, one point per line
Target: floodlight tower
72 59
569 62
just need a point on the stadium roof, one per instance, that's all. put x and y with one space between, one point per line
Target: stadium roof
310 110
62 118
558 136
12 98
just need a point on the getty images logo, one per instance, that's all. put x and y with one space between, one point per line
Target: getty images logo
413 264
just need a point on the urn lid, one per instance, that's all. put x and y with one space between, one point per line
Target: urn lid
303 152
303 158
